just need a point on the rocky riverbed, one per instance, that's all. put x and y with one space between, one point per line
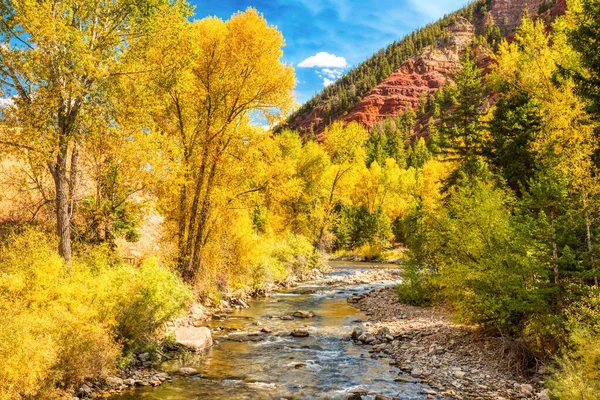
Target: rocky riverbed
341 336
141 370
452 359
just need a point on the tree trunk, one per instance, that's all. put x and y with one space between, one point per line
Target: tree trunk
63 217
195 264
588 237
318 246
554 248
186 249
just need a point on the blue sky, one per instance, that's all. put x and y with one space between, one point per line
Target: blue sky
326 38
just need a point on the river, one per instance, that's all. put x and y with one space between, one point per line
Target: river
246 364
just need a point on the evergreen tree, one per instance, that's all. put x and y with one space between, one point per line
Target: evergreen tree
516 119
585 39
461 133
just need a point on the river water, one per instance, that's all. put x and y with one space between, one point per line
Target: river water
246 364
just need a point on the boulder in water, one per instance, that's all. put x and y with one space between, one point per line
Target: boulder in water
186 371
196 338
357 332
299 333
304 314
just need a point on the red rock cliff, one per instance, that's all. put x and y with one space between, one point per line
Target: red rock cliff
432 69
417 76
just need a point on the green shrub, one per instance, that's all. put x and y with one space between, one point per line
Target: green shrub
417 288
278 259
61 324
357 228
578 374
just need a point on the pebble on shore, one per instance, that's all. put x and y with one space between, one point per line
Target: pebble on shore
450 358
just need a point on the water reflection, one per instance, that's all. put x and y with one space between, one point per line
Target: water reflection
248 364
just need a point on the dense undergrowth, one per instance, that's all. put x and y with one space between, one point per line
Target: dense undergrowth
63 323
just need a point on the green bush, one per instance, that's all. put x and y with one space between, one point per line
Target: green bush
417 289
277 259
358 228
485 266
578 374
61 324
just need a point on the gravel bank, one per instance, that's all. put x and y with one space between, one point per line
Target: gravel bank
451 358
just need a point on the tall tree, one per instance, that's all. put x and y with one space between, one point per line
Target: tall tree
213 76
515 122
460 131
57 61
584 37
345 147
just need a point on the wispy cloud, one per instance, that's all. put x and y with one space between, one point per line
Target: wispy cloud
324 60
331 73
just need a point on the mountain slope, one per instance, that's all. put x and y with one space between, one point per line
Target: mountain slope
398 77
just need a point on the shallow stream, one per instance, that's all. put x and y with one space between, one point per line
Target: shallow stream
247 364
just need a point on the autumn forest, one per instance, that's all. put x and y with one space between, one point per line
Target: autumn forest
154 164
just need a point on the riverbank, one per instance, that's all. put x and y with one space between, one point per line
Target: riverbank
394 255
141 370
451 358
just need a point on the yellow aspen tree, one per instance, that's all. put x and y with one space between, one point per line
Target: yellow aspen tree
57 60
213 77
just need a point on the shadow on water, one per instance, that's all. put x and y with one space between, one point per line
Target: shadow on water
248 364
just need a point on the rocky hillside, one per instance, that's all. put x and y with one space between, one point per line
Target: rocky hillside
425 70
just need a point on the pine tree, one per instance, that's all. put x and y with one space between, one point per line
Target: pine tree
585 38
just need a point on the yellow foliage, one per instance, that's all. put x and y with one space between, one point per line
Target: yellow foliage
58 329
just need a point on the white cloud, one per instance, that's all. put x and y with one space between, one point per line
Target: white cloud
331 73
324 60
327 82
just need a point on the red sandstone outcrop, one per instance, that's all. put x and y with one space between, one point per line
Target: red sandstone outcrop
404 88
417 77
433 68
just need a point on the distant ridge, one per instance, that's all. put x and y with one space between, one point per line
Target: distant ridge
399 76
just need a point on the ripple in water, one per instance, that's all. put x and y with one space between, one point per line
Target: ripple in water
278 366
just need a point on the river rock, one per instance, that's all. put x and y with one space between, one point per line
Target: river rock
187 371
162 376
144 357
84 391
359 390
383 397
524 388
383 331
114 381
460 374
543 395
353 299
287 318
370 339
266 330
299 333
357 332
196 338
304 314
